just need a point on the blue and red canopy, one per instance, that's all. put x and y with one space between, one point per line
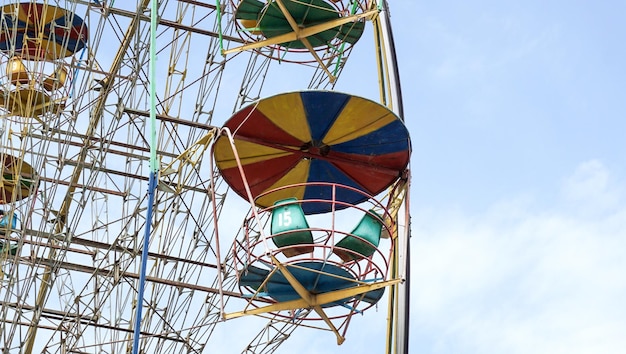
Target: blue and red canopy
314 136
62 32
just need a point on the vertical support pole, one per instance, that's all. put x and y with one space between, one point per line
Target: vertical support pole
391 93
152 182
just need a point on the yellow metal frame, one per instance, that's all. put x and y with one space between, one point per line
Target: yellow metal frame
309 300
191 156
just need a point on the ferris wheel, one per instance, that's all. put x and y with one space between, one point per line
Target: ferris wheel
172 169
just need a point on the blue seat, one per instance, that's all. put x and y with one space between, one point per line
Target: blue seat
367 232
373 296
290 228
253 277
4 222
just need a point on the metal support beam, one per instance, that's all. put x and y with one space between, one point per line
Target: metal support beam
171 119
56 315
174 24
303 33
318 299
112 247
44 262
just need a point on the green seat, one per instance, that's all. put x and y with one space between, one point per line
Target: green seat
289 228
249 10
368 236
12 248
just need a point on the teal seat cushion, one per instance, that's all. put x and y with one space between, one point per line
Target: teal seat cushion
290 228
367 238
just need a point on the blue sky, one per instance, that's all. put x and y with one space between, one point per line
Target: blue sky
513 97
519 229
519 177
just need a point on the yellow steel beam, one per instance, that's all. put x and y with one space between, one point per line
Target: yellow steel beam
192 153
296 29
302 33
307 297
319 299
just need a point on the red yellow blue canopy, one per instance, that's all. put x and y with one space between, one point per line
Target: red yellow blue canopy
62 32
314 136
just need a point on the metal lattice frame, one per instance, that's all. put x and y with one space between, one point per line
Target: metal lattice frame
73 283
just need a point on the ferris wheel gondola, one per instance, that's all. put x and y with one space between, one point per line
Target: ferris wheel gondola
304 153
37 38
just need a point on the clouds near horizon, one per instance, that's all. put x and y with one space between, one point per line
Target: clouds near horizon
523 277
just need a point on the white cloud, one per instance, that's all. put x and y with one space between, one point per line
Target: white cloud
521 280
590 187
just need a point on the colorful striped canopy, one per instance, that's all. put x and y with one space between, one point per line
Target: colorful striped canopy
314 136
63 33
